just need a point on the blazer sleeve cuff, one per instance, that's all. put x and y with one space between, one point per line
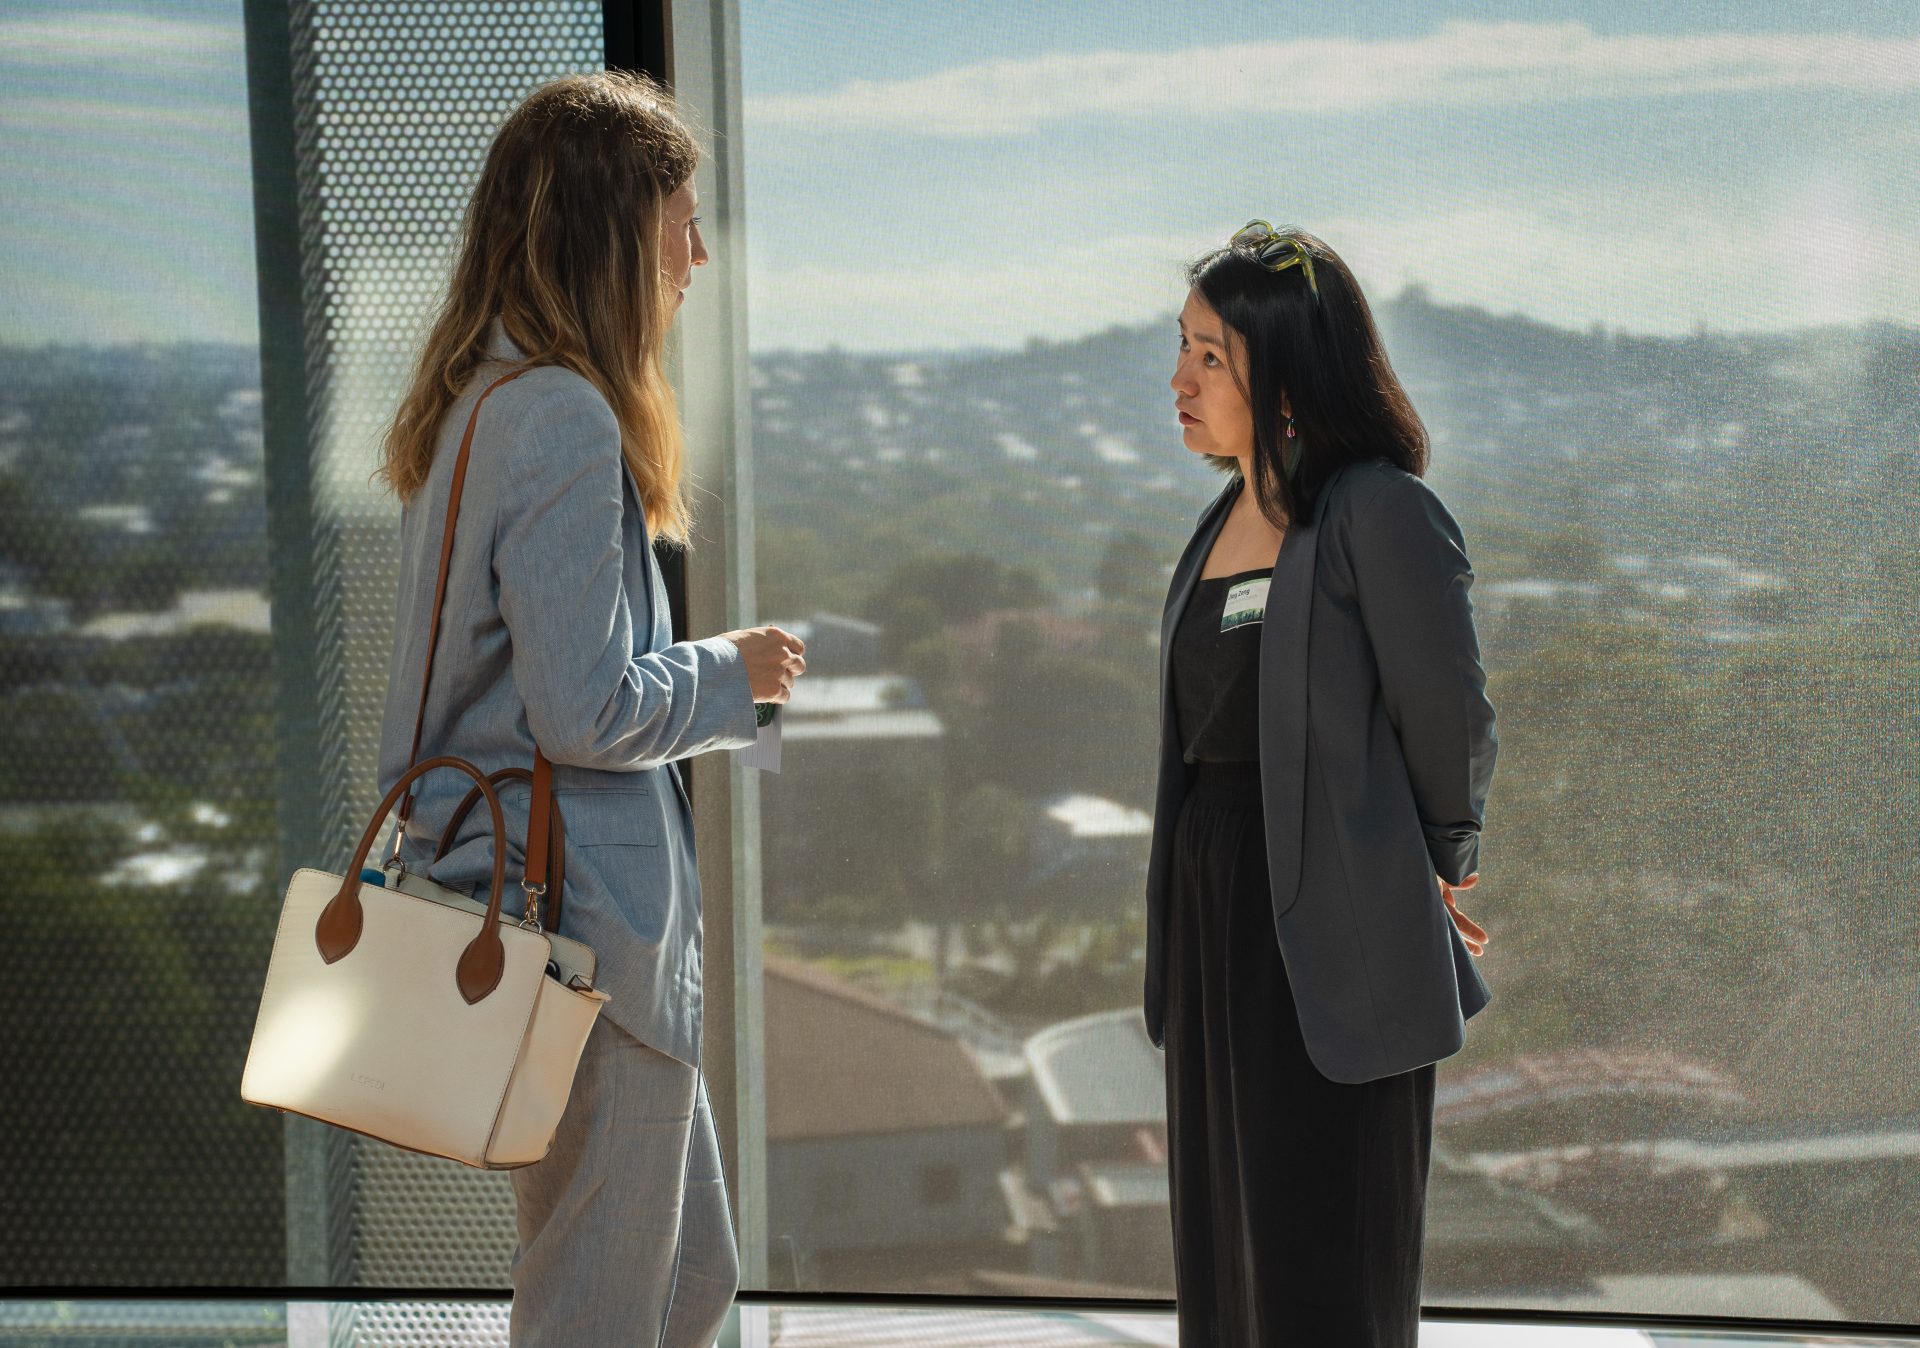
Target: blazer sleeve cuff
1454 857
723 677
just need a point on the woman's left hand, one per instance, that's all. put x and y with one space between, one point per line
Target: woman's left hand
1471 932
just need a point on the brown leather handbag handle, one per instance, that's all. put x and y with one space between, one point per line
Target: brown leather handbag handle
485 958
550 914
542 816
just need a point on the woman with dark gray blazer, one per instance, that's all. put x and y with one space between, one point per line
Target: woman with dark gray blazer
580 243
1326 749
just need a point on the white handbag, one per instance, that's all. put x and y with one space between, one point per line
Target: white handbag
407 1011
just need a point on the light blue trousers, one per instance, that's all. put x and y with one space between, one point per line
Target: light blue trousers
624 1233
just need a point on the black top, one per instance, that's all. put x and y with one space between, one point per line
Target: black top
1216 674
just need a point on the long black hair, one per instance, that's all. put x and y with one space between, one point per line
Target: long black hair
1324 353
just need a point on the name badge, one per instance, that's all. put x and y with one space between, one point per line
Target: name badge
1246 603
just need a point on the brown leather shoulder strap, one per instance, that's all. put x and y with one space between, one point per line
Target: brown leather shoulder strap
440 583
542 809
540 818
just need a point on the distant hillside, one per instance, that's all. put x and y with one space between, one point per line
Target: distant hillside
1554 447
1718 443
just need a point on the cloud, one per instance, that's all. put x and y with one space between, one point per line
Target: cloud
125 164
1461 64
73 120
115 74
87 40
928 304
1665 274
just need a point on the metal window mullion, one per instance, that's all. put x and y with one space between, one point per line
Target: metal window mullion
712 380
288 451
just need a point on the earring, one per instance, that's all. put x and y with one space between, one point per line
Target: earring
1290 430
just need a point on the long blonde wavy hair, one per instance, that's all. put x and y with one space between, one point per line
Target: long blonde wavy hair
562 244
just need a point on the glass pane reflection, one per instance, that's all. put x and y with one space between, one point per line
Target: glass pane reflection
1682 451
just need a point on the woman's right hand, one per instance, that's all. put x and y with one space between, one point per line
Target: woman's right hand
1471 932
774 659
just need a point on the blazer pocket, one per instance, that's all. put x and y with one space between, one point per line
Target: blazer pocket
622 816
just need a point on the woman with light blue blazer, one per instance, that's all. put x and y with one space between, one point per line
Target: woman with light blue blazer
580 241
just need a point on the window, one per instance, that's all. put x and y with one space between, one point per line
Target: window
186 708
1650 282
137 785
940 1185
1670 399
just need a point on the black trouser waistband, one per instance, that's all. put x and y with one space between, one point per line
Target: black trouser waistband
1226 785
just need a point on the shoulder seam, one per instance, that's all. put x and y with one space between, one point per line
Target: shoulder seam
1373 495
533 398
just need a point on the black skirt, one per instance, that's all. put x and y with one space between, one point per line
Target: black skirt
1298 1202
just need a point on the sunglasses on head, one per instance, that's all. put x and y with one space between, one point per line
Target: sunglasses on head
1275 252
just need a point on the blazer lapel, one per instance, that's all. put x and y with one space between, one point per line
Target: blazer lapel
1285 634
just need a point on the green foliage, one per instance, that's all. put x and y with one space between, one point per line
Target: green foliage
928 591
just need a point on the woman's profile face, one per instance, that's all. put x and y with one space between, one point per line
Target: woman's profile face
1215 417
681 248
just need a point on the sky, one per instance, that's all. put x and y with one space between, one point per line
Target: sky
936 176
1045 169
126 173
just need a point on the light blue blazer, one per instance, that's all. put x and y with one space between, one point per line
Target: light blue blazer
556 630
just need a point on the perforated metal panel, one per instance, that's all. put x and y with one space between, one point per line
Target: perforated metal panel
395 105
419 1324
133 834
126 1324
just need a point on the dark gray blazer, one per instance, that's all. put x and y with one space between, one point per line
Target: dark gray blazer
1376 749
